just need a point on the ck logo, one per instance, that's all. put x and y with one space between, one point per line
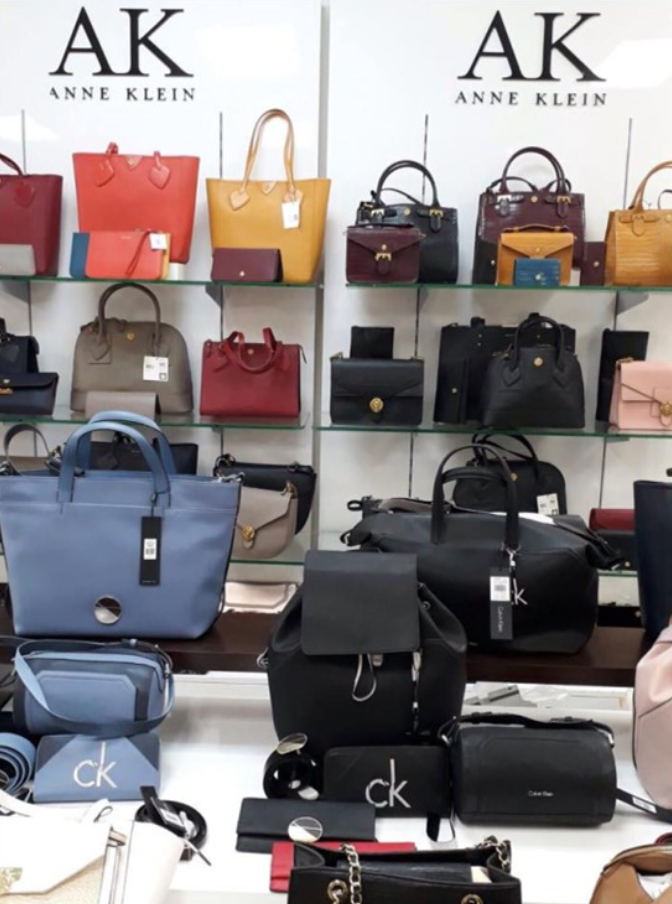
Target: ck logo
392 795
92 773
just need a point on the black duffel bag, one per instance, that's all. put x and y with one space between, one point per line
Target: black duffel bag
363 655
516 583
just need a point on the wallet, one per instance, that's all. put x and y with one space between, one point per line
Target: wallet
372 342
263 822
617 527
246 265
593 263
128 255
17 260
78 254
282 861
533 272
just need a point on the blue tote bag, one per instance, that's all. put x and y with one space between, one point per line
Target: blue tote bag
116 554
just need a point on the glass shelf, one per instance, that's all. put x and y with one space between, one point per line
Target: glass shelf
476 287
63 415
207 283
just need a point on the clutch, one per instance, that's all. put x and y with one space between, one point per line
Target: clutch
284 857
17 260
253 265
31 393
536 273
534 242
128 255
382 254
377 391
593 263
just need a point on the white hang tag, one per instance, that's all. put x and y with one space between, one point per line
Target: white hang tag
155 369
548 505
291 214
157 241
500 587
150 549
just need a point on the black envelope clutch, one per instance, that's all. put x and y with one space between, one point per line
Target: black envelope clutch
374 391
263 822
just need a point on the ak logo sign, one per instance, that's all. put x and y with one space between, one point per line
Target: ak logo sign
139 36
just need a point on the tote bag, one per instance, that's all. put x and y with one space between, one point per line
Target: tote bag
286 215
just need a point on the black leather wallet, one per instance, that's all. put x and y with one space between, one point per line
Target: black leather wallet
263 822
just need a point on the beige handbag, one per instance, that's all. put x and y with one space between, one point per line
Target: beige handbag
639 242
631 877
113 355
266 522
287 215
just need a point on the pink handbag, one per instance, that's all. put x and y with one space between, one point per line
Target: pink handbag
642 396
652 743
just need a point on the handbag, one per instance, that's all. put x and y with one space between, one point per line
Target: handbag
478 875
251 379
547 601
653 524
464 356
533 387
540 486
636 876
121 193
141 254
616 346
132 356
30 214
438 249
639 241
273 477
18 354
289 215
501 207
79 855
28 394
652 731
266 522
642 396
535 242
148 526
357 656
376 391
382 254
95 689
283 859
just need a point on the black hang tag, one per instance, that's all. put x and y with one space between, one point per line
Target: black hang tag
150 551
501 610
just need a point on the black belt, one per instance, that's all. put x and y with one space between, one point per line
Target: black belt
290 771
180 819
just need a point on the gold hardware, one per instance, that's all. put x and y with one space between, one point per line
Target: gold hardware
668 217
248 533
538 362
620 361
130 336
8 876
241 274
5 391
383 255
250 351
537 250
407 211
493 263
564 198
537 277
665 409
534 199
337 891
435 212
376 405
514 476
337 357
596 264
377 211
472 899
383 247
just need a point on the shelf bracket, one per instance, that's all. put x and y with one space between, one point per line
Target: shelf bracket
216 293
627 299
17 288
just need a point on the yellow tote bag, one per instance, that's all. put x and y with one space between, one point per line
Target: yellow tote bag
288 215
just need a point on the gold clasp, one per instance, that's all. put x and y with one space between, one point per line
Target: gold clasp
383 256
435 212
376 405
248 533
666 409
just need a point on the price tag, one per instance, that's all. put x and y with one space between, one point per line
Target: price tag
150 551
155 369
291 214
500 586
548 505
157 241
501 610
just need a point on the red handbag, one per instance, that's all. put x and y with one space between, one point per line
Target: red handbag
30 214
251 379
118 193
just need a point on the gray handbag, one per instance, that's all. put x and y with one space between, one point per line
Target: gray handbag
266 522
113 355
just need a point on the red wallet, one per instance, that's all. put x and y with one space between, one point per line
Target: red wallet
612 519
282 861
246 265
128 255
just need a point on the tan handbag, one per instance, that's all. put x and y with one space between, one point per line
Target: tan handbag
534 241
639 242
624 880
286 215
113 355
266 522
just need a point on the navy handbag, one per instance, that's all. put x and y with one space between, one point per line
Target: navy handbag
110 554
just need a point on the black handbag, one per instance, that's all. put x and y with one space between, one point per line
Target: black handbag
273 477
122 454
377 391
23 389
653 528
616 345
478 875
18 354
534 387
540 486
363 655
516 584
439 247
464 356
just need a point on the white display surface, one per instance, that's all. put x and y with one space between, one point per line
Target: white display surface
214 748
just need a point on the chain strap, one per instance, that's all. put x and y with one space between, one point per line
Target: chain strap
502 850
338 892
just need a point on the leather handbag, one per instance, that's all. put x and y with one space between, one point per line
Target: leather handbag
266 522
639 241
638 875
652 729
376 391
251 379
464 357
540 486
28 394
273 477
148 526
547 602
357 655
289 215
593 264
18 354
132 356
642 396
502 207
128 255
534 242
439 248
382 254
478 875
284 853
653 527
617 345
533 387
247 265
17 260
121 193
30 214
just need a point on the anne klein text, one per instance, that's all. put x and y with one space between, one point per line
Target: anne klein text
140 95
537 99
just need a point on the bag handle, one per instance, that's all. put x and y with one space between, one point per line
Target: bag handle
540 152
484 439
66 480
448 731
234 348
12 164
638 200
406 164
102 304
288 153
558 338
511 529
15 431
158 174
536 227
128 417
